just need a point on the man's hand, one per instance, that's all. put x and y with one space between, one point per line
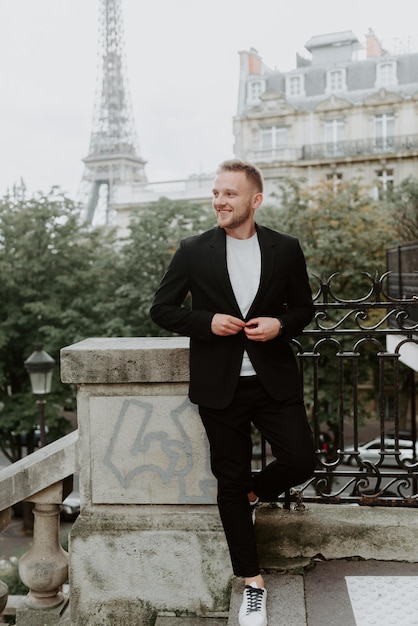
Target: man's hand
262 328
224 325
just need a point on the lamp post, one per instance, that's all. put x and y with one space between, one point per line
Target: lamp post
39 366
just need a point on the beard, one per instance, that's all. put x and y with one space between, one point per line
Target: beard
234 220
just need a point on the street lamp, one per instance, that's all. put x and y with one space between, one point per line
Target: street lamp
40 366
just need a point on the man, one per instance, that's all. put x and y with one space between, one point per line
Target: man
250 295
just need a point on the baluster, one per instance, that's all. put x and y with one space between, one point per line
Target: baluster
4 594
5 517
44 568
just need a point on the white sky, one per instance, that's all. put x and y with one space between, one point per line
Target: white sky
183 68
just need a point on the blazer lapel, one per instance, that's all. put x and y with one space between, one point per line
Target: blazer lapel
217 250
268 249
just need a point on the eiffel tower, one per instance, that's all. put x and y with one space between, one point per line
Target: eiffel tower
114 155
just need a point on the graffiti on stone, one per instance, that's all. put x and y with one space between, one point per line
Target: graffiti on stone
139 447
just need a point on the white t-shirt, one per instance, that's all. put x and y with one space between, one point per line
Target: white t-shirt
243 259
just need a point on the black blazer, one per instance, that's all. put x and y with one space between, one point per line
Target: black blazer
199 267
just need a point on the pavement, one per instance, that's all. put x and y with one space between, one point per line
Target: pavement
343 592
360 593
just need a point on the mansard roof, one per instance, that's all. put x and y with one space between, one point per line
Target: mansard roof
360 80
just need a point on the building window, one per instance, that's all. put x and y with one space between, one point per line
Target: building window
254 90
384 131
386 74
273 139
336 81
295 86
334 137
384 183
335 178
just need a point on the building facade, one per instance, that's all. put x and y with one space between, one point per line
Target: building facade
349 111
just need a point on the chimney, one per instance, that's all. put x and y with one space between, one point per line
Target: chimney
251 62
374 49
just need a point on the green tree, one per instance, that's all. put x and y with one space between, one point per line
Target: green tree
402 204
156 230
63 282
341 231
55 274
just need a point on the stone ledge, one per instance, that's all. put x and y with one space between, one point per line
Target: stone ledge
335 532
126 360
138 518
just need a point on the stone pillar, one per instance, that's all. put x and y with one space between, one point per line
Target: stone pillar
148 539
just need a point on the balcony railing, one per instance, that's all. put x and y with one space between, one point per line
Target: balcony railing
338 149
361 147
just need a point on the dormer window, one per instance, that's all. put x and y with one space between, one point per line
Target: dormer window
336 80
386 74
254 90
295 86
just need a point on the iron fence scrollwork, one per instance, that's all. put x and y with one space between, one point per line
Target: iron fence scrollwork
354 377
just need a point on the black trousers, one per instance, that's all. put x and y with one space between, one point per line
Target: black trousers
285 426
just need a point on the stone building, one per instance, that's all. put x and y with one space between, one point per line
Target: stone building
349 111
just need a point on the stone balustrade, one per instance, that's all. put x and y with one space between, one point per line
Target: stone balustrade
44 478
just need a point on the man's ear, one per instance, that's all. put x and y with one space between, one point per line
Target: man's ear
257 200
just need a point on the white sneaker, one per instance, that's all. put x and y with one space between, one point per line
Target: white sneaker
253 507
253 608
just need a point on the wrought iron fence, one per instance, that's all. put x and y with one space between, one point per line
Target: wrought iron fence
352 382
402 262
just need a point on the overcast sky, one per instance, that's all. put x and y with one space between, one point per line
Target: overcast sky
183 67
